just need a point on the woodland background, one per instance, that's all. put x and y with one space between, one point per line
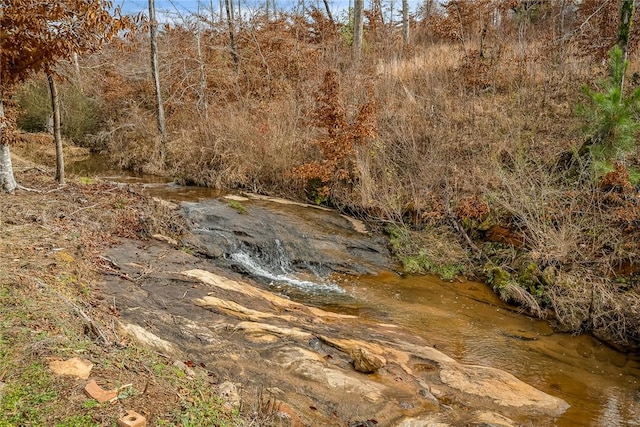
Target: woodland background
488 141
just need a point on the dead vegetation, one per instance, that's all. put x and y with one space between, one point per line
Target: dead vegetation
53 309
470 129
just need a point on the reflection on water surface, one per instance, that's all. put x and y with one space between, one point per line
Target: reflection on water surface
468 322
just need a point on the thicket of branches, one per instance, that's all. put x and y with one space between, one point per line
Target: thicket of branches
469 132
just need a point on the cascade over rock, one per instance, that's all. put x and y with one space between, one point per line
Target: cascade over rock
325 368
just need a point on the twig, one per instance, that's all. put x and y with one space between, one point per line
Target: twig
30 168
111 263
84 208
113 269
31 190
53 190
92 324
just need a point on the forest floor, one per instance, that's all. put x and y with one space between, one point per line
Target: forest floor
53 310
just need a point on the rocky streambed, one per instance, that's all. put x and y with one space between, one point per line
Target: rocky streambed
242 321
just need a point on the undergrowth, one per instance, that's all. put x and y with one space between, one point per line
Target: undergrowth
53 309
466 140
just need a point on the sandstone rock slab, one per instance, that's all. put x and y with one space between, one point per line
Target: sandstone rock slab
74 367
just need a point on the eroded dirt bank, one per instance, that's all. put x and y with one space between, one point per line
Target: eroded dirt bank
315 367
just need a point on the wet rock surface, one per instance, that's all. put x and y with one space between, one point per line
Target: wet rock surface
305 352
306 237
312 362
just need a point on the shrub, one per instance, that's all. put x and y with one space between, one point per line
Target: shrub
611 118
80 114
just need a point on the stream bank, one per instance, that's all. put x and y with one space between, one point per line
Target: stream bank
284 324
463 320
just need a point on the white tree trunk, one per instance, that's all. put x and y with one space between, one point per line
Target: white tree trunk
202 94
7 180
405 22
57 135
153 34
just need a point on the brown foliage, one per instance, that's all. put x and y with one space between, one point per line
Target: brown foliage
621 199
342 136
480 105
473 208
596 28
34 35
463 20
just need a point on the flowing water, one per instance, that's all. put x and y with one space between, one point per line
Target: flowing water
468 322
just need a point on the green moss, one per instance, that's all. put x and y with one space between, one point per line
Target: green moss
237 206
449 272
422 264
78 421
528 279
497 277
86 180
417 259
528 275
187 250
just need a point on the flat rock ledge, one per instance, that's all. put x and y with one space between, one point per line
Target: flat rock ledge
328 368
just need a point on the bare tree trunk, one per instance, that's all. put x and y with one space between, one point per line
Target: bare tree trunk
392 9
7 181
57 136
153 33
350 10
232 39
327 8
358 28
405 22
76 66
202 95
624 29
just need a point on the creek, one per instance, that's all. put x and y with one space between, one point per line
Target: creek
463 319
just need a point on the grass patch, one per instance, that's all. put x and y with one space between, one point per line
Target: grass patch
427 252
51 310
27 395
237 206
78 421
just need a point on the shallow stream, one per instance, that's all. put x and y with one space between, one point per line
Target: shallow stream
469 323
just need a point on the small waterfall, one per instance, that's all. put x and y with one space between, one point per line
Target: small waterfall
277 268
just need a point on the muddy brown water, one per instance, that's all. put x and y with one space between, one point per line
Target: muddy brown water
469 323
